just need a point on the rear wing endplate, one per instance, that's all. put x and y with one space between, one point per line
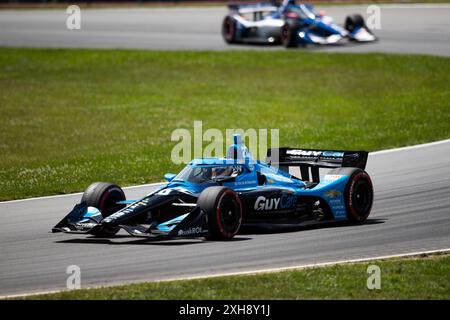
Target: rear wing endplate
312 159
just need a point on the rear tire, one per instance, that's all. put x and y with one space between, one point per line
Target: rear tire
229 30
289 34
354 21
224 212
104 196
358 194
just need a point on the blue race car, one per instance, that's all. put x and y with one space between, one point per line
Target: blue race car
213 197
291 24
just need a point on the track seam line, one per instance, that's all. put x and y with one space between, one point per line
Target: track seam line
250 272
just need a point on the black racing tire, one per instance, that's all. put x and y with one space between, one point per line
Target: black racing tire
354 21
289 34
229 30
104 196
224 212
358 194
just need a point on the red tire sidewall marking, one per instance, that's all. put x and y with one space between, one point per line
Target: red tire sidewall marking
356 178
105 196
229 30
219 223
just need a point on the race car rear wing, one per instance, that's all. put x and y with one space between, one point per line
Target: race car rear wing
311 159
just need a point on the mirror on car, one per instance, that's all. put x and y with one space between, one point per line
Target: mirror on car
169 176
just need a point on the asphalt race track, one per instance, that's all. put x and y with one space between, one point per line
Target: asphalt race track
413 29
411 213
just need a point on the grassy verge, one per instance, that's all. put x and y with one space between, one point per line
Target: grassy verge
71 117
401 278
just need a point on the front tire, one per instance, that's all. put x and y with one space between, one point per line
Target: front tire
224 212
358 194
104 196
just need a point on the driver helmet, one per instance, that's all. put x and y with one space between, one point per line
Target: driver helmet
222 171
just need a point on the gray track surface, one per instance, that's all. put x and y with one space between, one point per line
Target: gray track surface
411 213
415 29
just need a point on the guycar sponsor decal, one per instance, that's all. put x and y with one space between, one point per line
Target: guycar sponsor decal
286 201
304 153
315 153
262 203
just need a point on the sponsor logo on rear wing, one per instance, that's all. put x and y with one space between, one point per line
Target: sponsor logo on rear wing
316 158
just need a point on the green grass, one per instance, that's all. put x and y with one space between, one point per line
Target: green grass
71 117
401 278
